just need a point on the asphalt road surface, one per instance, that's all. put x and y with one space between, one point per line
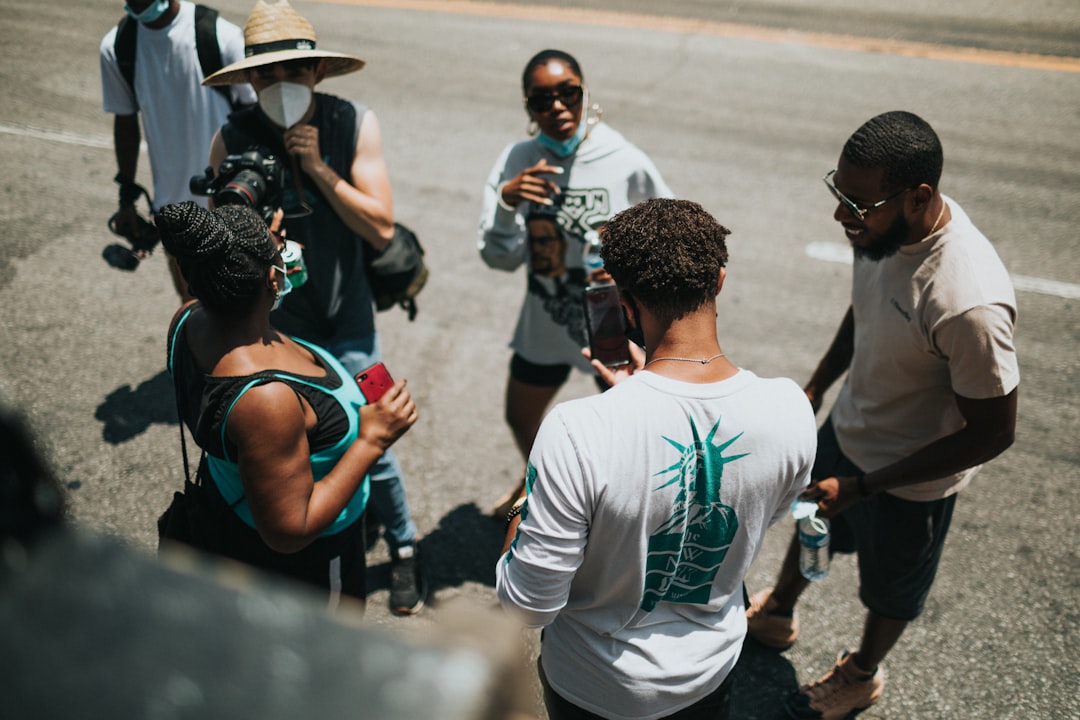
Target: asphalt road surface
743 107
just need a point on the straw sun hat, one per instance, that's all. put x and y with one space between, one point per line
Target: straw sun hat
277 33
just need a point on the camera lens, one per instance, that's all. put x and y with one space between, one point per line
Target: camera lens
246 188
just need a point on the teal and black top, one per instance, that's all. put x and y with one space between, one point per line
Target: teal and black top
207 400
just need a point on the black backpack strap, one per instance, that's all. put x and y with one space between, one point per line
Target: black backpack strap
124 49
206 44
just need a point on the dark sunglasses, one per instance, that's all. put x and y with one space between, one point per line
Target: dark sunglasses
853 207
569 96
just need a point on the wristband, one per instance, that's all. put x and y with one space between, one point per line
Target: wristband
502 203
129 190
860 480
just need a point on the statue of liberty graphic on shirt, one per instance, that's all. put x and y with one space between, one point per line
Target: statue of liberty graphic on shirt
686 551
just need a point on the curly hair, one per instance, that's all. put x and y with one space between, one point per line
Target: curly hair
223 253
543 58
666 254
902 144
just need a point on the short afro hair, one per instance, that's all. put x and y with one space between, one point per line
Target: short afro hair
903 145
666 254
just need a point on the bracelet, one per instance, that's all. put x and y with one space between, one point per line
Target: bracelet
129 190
860 480
502 203
515 510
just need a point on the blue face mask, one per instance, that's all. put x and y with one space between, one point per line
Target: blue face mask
151 13
285 289
568 146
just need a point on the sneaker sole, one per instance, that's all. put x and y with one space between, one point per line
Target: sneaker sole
402 611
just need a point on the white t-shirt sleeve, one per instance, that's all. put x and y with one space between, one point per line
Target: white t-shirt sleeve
534 576
116 95
979 346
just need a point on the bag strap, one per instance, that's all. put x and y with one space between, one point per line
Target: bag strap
206 44
124 49
170 359
183 448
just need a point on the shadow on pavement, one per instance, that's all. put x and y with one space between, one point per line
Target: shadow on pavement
127 412
763 678
463 548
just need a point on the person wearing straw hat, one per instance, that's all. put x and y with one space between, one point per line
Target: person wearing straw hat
337 195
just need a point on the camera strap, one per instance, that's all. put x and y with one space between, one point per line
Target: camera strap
305 209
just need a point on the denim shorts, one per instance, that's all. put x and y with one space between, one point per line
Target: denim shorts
898 542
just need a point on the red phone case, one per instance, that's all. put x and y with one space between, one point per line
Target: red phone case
374 382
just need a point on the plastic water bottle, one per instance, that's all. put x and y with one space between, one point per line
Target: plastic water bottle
591 252
813 540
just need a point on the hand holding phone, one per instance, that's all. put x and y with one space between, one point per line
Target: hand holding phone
606 324
374 381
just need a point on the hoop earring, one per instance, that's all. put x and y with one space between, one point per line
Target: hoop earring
593 114
532 128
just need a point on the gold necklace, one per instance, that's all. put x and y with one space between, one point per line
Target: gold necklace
703 361
939 216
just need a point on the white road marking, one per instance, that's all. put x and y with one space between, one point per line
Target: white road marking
824 251
840 253
94 141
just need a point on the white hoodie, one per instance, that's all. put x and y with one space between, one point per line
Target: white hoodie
606 175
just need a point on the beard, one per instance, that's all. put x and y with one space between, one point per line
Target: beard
887 244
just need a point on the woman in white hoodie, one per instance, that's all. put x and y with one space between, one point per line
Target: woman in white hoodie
548 194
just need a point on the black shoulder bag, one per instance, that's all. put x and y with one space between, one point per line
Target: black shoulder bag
396 273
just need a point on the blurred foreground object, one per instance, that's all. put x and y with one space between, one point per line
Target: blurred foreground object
93 628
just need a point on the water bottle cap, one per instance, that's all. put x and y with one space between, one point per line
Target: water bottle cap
291 252
802 509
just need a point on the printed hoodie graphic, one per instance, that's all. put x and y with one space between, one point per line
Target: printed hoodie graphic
686 551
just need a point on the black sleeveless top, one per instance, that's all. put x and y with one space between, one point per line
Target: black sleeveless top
335 304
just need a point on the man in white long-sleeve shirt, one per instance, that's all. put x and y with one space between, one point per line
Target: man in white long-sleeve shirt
647 504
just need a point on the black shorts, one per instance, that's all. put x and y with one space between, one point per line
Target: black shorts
714 706
898 542
333 563
548 376
540 375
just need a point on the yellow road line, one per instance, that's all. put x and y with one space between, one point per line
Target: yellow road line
639 21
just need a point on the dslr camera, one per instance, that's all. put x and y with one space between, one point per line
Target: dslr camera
254 178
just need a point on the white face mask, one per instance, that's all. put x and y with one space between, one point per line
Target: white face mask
286 288
285 102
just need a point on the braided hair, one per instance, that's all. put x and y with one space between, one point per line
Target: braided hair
223 253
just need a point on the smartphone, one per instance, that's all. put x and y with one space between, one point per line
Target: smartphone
374 382
606 323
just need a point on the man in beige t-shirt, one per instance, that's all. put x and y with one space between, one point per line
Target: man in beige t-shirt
930 395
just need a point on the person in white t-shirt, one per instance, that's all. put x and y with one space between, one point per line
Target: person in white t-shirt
178 114
930 395
647 503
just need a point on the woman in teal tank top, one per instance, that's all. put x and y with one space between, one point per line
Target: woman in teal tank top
288 437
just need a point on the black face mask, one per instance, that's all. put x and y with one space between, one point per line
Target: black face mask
633 332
